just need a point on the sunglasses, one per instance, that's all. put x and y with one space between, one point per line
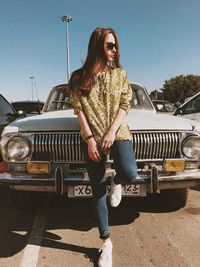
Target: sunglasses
110 45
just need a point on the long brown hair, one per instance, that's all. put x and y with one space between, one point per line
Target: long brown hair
96 60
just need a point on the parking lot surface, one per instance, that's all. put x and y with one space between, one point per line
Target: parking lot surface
63 232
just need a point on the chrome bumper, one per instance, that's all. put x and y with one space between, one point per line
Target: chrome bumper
151 181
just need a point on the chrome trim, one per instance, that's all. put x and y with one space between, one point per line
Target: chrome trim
58 147
65 147
27 182
155 145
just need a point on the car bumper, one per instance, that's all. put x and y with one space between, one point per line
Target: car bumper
150 182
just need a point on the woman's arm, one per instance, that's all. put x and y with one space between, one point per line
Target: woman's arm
124 107
93 148
109 137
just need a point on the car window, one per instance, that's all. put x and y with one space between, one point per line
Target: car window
140 99
59 99
5 108
193 106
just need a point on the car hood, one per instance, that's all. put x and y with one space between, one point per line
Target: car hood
60 120
143 120
65 120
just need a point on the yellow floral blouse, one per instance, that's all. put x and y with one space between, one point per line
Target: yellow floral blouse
110 92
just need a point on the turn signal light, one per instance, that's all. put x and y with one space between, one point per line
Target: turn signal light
3 167
38 167
174 165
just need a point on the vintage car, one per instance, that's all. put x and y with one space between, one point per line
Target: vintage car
7 114
164 106
42 153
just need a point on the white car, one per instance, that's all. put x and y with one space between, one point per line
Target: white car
163 106
43 152
190 109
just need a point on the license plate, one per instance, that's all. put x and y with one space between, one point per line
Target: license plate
131 190
86 191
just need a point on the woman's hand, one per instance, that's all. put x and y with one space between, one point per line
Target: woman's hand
108 140
93 150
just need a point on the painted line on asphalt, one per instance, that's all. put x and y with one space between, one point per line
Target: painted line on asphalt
32 249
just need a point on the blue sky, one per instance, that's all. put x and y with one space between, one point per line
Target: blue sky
158 40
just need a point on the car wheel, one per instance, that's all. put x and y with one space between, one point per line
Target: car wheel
173 199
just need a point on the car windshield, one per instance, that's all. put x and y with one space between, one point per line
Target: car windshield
140 99
192 106
59 99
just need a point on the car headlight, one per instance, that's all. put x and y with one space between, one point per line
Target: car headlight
17 148
191 147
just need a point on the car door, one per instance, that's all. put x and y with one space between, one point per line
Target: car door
191 109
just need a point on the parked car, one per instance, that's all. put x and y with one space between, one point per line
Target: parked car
28 108
164 106
43 153
7 114
190 109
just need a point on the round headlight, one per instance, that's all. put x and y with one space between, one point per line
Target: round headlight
191 147
17 148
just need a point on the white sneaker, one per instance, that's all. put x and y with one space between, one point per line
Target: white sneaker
105 259
115 193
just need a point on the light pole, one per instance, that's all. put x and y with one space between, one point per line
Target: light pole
67 19
31 77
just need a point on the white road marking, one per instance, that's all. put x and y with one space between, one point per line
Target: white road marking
31 252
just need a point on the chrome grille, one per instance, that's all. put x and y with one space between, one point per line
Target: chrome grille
155 145
59 147
65 147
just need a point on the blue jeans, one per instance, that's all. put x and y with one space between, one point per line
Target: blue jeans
126 171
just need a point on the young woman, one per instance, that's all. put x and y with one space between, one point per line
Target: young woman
101 97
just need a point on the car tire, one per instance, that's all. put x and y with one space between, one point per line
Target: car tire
174 199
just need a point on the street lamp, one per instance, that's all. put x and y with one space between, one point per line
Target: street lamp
67 19
32 77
